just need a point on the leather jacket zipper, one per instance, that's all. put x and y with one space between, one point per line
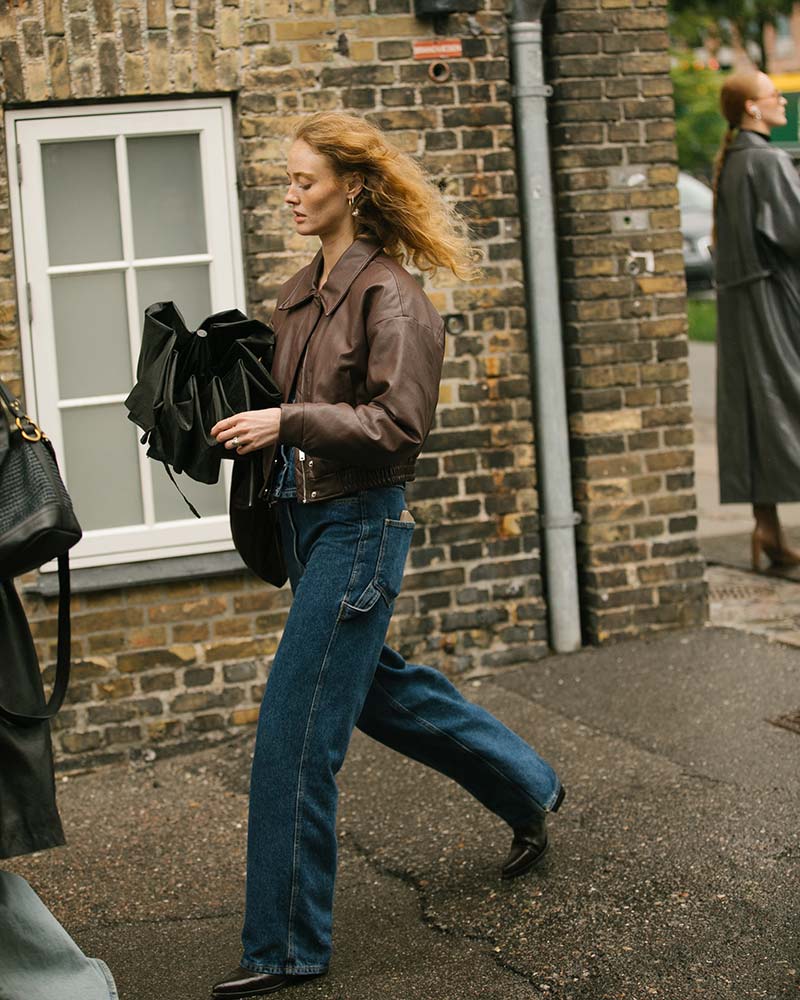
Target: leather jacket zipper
302 456
300 453
302 395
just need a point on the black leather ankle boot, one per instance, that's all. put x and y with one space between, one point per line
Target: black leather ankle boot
530 843
242 983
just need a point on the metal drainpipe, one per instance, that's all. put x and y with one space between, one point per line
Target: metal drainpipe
544 324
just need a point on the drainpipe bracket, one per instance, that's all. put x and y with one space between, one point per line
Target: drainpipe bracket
542 90
570 521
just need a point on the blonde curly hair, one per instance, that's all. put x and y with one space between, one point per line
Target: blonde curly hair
398 206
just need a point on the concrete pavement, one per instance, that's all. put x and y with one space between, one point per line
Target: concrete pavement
673 872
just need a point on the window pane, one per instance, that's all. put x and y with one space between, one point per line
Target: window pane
91 329
170 505
188 287
166 195
81 201
102 466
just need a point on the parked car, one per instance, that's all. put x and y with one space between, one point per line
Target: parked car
697 220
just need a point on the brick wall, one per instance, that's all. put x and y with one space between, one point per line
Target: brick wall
162 663
167 662
615 167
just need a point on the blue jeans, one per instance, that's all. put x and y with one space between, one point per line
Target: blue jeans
332 672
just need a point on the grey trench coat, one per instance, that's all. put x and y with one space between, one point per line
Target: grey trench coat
758 325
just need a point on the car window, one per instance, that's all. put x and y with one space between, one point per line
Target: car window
694 195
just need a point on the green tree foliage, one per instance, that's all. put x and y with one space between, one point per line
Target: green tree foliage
698 121
690 24
742 19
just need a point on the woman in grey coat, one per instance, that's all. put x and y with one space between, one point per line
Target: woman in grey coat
757 238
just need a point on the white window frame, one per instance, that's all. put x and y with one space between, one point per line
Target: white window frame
213 119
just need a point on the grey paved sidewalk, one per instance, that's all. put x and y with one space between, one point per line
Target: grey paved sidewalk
673 873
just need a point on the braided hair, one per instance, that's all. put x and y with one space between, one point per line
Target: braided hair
738 89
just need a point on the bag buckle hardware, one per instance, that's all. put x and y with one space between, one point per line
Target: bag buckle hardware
28 429
24 424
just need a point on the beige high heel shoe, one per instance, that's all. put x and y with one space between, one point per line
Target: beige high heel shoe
778 555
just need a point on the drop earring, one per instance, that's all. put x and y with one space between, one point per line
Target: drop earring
353 208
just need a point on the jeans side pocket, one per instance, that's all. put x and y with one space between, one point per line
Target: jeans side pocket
395 544
388 578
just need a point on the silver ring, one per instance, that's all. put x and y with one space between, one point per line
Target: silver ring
235 442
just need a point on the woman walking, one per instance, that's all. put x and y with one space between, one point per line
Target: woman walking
757 237
358 359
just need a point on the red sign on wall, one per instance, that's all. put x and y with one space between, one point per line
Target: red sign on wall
438 48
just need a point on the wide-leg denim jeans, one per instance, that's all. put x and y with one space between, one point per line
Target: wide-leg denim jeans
332 672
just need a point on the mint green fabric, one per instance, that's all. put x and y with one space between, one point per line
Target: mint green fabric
38 959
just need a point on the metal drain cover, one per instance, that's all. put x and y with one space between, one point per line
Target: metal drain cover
738 592
790 722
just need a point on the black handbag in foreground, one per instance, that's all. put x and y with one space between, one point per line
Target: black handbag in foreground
189 380
37 524
29 818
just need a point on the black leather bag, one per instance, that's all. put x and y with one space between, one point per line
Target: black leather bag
189 380
37 524
254 524
29 818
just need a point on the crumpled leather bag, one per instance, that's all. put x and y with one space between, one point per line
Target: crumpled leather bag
188 380
29 819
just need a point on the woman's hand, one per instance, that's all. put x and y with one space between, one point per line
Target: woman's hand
249 431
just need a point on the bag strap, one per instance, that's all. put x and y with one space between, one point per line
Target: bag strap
17 419
189 503
62 659
5 395
5 410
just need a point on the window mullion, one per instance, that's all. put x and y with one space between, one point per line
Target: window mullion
210 209
81 402
132 297
188 258
99 267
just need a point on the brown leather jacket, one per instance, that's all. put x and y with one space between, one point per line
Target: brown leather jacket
364 357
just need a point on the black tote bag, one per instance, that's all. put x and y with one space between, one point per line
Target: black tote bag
29 819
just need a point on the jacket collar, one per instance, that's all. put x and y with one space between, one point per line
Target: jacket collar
344 273
747 139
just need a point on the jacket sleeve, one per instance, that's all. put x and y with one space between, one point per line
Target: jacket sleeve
402 385
778 215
